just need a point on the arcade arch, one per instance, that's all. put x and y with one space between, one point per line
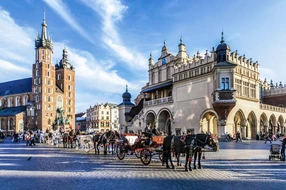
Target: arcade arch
208 122
164 121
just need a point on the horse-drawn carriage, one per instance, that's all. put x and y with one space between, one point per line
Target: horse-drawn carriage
143 147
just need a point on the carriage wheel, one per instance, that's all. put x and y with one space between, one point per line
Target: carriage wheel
137 153
146 156
120 152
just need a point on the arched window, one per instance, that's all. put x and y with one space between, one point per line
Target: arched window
69 77
59 76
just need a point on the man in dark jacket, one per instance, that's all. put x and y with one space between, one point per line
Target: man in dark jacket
155 131
283 149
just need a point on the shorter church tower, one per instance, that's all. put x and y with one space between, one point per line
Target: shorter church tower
123 108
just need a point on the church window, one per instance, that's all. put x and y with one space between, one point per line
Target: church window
49 90
48 66
48 73
37 73
43 54
69 77
49 82
224 83
48 58
59 76
69 87
49 122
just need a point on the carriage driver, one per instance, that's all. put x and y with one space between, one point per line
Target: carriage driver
155 131
148 132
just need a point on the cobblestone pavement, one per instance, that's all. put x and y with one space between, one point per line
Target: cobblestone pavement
236 166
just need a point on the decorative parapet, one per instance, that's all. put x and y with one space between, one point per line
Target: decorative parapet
272 108
159 101
224 96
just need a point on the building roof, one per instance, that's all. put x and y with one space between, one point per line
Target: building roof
225 64
12 111
159 86
83 114
126 104
16 87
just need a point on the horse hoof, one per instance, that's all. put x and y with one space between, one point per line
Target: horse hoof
195 167
173 167
200 167
190 169
186 170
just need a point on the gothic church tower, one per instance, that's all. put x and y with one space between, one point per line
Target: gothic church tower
53 86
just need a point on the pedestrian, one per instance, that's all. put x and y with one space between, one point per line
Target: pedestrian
32 142
28 137
238 137
283 149
268 138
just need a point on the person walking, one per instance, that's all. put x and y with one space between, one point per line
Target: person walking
283 149
268 138
238 137
32 139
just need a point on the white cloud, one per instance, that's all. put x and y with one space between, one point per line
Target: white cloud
112 11
16 41
61 9
11 71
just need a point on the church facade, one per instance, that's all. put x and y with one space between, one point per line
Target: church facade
218 92
45 101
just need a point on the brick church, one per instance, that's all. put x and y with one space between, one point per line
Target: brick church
45 101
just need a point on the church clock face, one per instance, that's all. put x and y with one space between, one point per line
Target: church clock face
163 61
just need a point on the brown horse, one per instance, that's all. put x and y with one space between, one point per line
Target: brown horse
68 139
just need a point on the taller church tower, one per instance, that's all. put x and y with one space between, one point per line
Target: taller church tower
53 87
43 81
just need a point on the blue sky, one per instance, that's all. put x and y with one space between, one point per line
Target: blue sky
109 41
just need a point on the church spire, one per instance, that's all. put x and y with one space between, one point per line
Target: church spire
44 27
44 40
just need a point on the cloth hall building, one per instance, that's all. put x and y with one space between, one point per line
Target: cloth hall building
218 92
45 101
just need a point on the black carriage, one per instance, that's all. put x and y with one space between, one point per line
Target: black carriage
151 149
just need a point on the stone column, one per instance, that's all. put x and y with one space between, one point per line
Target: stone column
221 129
274 128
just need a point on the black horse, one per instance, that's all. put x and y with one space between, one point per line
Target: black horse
190 145
204 142
106 139
167 143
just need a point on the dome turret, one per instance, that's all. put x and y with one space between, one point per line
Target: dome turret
222 50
